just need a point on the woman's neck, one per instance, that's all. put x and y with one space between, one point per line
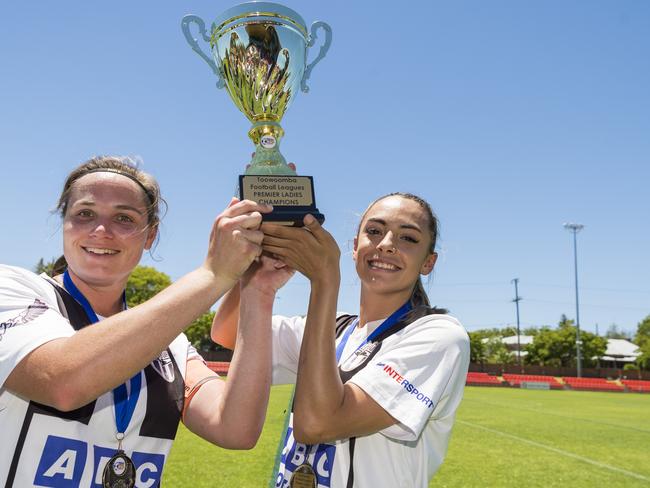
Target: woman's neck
105 300
377 306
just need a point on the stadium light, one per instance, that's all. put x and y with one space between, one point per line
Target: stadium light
575 228
516 300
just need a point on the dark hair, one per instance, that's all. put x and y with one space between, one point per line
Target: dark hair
419 299
118 165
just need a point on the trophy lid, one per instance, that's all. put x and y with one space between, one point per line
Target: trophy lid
260 9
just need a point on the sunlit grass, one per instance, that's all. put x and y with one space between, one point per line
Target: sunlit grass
503 437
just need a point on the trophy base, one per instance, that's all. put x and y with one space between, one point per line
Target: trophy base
292 197
292 217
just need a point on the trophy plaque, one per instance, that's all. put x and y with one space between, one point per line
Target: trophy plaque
259 54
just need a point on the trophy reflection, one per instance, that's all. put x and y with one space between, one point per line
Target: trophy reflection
259 53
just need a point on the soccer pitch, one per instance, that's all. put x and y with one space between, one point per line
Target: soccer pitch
503 437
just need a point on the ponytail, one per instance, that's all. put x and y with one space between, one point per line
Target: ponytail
419 296
420 305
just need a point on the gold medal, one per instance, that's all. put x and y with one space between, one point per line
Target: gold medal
303 477
119 472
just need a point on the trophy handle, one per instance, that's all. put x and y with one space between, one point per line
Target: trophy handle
321 54
185 25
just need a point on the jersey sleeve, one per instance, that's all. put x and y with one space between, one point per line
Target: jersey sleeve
287 337
29 317
419 375
192 353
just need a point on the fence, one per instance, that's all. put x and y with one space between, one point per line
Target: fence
555 371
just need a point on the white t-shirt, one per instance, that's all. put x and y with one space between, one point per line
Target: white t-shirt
44 447
417 375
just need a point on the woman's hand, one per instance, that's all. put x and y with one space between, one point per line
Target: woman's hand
309 249
235 240
266 275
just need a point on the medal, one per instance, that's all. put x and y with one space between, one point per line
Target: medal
119 472
303 477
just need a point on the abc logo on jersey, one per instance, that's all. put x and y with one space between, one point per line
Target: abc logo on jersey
65 461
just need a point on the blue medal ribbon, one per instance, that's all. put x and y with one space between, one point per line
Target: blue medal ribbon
123 402
384 326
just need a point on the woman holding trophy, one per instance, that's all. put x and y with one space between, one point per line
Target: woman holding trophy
91 393
376 394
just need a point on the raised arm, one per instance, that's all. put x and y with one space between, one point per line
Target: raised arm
69 372
270 276
231 414
226 320
324 408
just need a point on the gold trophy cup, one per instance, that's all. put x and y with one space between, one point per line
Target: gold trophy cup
259 53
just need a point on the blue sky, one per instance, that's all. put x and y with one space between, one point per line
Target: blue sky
509 117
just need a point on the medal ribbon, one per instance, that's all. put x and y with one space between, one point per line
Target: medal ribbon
123 402
384 326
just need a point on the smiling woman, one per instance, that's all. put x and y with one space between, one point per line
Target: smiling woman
91 392
376 394
109 217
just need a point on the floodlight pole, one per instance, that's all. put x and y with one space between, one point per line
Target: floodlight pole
575 228
516 300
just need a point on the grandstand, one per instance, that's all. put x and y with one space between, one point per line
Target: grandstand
558 383
517 379
637 385
593 384
483 379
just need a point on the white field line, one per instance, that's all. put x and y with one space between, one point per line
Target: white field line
557 451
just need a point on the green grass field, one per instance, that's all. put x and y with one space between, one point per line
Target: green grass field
503 437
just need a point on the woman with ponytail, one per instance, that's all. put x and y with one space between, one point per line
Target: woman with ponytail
376 393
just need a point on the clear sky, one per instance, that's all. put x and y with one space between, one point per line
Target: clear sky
509 117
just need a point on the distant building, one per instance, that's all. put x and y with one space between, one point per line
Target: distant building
618 353
511 343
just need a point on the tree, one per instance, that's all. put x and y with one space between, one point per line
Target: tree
557 347
198 333
593 347
497 352
565 322
496 332
144 283
642 339
43 267
546 349
642 332
508 331
476 348
614 333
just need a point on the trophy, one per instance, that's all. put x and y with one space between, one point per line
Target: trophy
259 53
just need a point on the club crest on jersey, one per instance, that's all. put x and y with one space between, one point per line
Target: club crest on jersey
164 366
359 357
33 311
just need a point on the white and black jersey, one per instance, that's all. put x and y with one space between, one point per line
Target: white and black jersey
417 374
42 446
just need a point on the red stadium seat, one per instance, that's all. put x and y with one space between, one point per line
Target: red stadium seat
640 386
592 384
482 379
219 367
517 379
